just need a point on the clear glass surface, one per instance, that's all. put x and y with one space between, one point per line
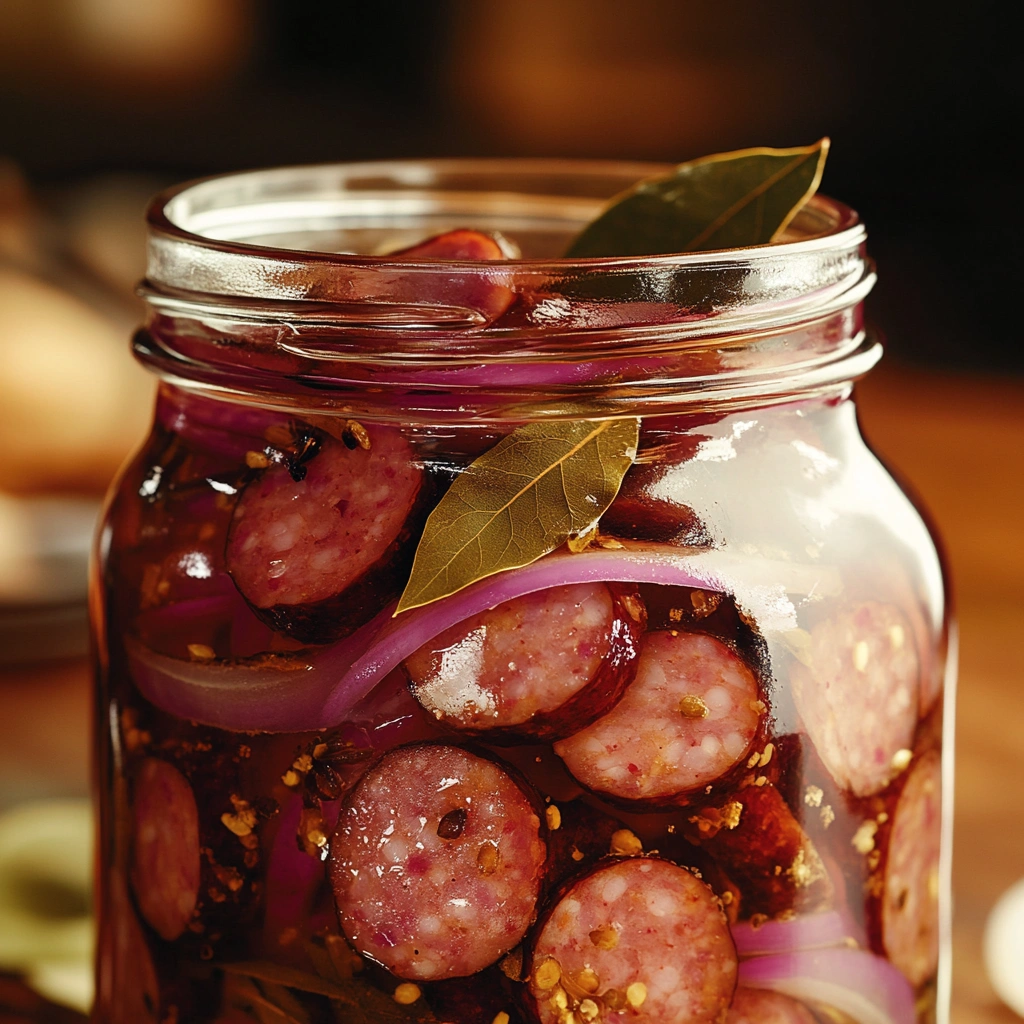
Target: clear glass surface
690 773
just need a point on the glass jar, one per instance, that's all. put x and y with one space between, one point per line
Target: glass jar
688 763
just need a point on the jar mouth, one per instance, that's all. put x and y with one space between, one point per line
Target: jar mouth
356 213
274 282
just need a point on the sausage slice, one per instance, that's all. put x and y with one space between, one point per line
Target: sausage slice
858 697
436 862
909 911
542 666
639 940
165 850
320 555
688 718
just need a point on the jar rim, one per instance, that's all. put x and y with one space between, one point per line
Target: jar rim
239 301
824 222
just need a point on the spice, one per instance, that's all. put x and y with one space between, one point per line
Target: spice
605 936
554 817
863 840
625 843
636 994
407 993
452 824
691 706
548 974
487 859
512 965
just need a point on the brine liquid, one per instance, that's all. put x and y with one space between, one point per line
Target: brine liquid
701 792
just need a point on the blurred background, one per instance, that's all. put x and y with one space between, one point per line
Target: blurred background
103 102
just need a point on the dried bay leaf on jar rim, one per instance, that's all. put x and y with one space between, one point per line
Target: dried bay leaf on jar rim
526 496
724 201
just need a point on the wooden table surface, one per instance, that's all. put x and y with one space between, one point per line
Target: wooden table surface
959 443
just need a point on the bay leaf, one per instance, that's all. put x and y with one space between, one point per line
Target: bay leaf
725 201
541 485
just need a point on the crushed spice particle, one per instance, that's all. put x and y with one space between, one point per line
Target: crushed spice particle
704 602
407 993
201 652
487 859
614 999
553 816
863 840
827 816
512 965
548 974
813 796
625 843
806 868
901 759
605 936
452 824
636 994
692 706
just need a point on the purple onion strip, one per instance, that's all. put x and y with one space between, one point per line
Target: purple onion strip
805 932
863 986
410 631
314 689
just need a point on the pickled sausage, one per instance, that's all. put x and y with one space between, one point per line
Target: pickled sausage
319 556
477 292
436 862
543 665
638 940
759 1006
165 847
857 696
905 916
688 718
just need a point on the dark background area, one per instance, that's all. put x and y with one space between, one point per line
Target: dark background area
920 102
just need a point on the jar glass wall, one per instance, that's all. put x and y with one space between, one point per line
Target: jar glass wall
688 764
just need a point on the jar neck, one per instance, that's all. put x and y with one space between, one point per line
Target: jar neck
263 287
280 367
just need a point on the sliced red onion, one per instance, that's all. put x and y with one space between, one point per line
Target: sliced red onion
804 932
217 427
315 689
264 693
863 986
760 589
